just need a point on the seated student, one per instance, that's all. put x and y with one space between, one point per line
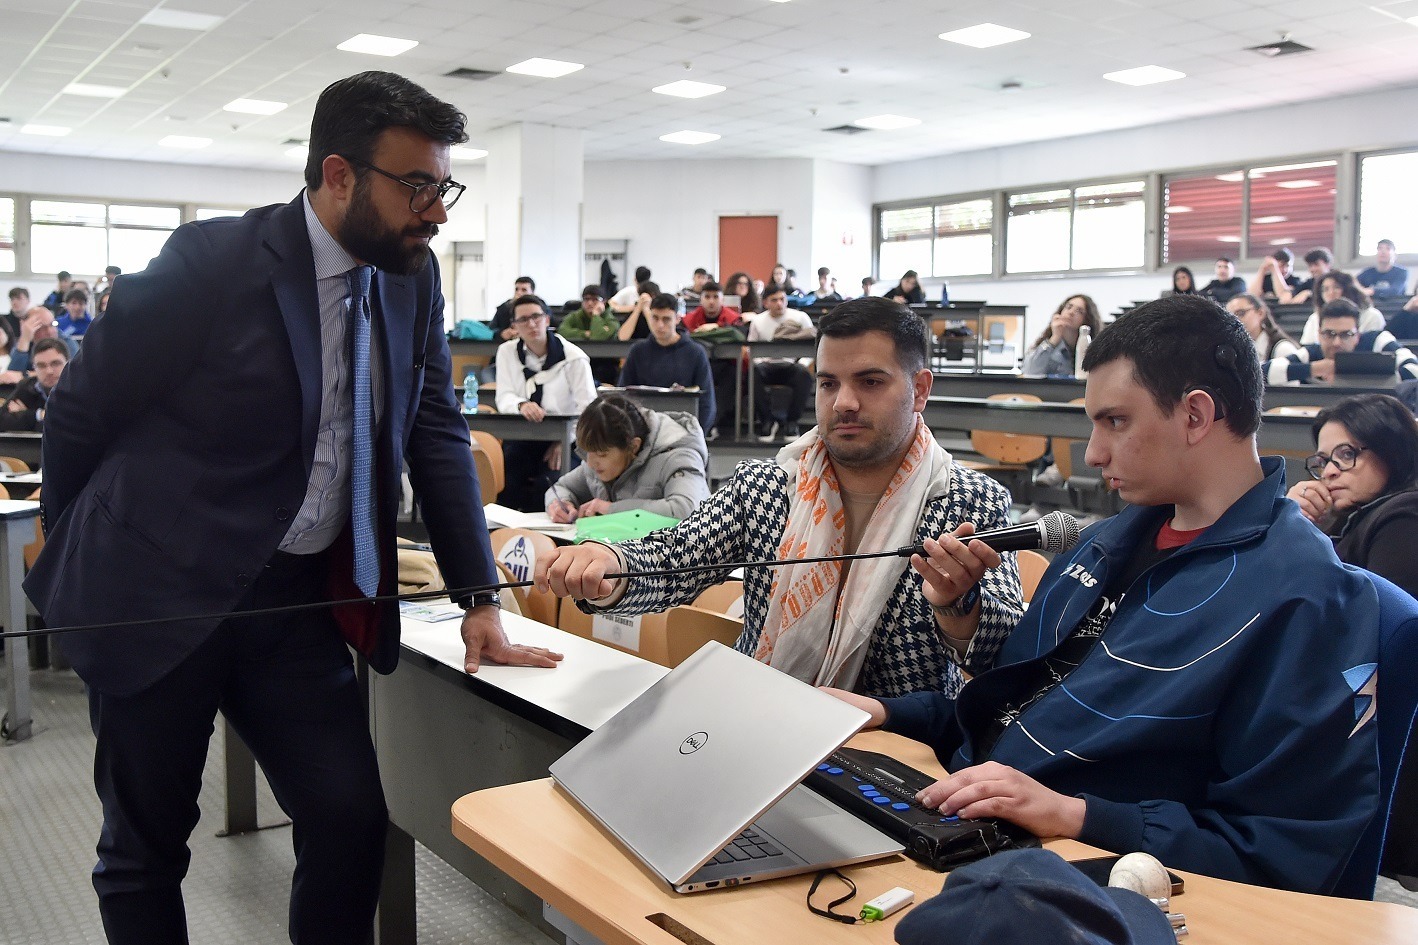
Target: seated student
1275 271
624 301
1339 332
910 285
668 358
1052 354
636 324
867 283
37 325
1183 282
1318 261
1383 280
1269 340
1404 325
24 408
537 374
592 322
712 314
1365 498
869 477
76 318
826 292
54 301
1340 285
689 295
776 322
502 317
1182 682
19 305
741 285
1226 284
634 459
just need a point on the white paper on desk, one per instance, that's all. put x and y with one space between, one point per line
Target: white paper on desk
613 628
434 614
502 516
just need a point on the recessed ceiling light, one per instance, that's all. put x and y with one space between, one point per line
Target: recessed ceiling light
1297 184
1232 178
1179 209
184 141
51 131
1144 75
1280 168
1282 242
686 88
460 153
886 122
984 36
1228 239
377 45
300 151
180 19
1270 219
690 137
94 91
254 106
545 68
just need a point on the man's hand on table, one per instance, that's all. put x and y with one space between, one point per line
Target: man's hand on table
996 790
485 640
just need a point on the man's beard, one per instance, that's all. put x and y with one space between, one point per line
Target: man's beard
365 236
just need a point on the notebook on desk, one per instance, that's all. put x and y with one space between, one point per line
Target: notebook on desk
700 776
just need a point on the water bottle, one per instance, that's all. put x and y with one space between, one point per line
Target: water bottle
470 392
945 293
1085 338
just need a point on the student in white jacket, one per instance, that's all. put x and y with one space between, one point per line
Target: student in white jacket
539 374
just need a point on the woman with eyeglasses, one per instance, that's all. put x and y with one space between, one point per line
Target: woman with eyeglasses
1365 498
1364 488
1268 337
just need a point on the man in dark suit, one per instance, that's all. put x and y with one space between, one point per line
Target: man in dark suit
264 473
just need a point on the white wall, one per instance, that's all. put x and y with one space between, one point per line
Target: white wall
669 210
841 225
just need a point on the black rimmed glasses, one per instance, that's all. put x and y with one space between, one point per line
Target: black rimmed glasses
1344 457
1332 335
424 194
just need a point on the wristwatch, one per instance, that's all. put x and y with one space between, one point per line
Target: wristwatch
485 598
963 604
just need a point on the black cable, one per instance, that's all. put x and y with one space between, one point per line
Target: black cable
463 592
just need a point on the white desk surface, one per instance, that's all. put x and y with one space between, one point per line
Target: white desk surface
590 685
24 479
16 508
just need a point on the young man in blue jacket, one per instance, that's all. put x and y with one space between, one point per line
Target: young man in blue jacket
1195 679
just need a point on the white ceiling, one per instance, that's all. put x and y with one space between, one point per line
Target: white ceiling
792 69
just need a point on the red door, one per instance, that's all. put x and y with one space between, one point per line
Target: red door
748 244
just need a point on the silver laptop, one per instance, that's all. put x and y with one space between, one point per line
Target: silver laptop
699 776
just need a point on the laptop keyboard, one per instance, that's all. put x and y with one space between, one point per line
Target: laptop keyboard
749 845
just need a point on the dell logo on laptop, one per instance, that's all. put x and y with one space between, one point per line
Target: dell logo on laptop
693 743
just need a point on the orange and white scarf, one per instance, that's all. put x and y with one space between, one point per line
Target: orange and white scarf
811 632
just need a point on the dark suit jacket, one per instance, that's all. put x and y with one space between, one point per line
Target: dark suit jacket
178 445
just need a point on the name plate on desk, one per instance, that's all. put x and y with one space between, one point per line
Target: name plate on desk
617 630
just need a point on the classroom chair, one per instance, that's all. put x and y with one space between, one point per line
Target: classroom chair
1032 566
11 464
645 635
487 456
689 628
519 550
725 598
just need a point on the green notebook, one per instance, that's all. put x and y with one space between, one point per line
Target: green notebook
621 526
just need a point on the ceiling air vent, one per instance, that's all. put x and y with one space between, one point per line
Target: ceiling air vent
1281 47
472 75
846 130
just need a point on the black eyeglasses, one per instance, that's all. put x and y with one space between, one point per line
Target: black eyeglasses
1344 457
424 194
1333 335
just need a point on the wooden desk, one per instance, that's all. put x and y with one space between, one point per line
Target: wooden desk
758 350
1064 389
539 837
16 531
23 446
651 398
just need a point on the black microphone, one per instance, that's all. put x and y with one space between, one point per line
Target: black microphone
1055 533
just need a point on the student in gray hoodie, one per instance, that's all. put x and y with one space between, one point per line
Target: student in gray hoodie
634 459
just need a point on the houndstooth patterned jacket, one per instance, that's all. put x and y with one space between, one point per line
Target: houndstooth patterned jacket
744 521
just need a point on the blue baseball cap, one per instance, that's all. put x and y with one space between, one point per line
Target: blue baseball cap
1032 896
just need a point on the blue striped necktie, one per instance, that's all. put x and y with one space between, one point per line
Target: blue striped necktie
366 551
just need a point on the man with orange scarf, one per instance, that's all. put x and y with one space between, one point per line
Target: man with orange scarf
869 477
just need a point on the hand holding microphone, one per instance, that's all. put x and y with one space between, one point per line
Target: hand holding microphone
953 564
